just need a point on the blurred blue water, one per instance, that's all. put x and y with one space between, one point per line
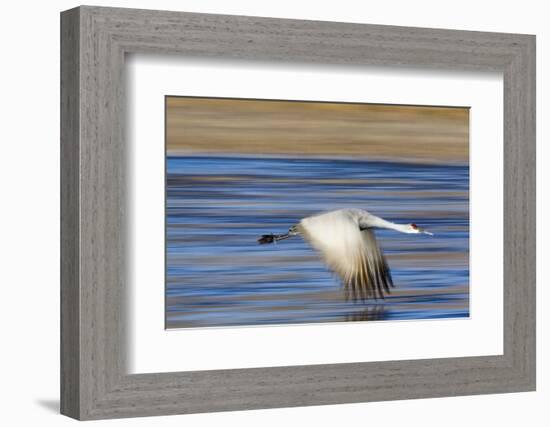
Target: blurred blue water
217 207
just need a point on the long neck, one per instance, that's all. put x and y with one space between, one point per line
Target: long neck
382 223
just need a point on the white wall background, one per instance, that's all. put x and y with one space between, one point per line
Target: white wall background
29 214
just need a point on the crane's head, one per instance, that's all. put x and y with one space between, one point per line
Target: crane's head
413 228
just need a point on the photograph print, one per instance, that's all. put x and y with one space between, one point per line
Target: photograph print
285 212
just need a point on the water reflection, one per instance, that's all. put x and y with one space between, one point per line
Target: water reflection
375 312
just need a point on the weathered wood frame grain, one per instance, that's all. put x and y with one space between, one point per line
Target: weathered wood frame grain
94 381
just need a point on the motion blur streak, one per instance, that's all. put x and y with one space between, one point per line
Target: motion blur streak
218 275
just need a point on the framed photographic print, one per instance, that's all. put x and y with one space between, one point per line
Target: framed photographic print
262 213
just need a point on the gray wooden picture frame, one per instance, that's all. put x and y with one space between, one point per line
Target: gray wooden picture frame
94 381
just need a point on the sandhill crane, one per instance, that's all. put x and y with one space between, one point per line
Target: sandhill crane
346 240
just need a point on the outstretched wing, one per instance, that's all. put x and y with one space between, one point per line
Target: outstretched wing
374 277
352 253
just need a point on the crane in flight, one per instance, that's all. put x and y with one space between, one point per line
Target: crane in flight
346 240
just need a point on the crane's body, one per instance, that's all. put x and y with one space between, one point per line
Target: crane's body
346 240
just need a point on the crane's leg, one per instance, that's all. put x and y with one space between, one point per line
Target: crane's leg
274 238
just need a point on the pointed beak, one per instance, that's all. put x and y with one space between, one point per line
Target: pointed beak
423 231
